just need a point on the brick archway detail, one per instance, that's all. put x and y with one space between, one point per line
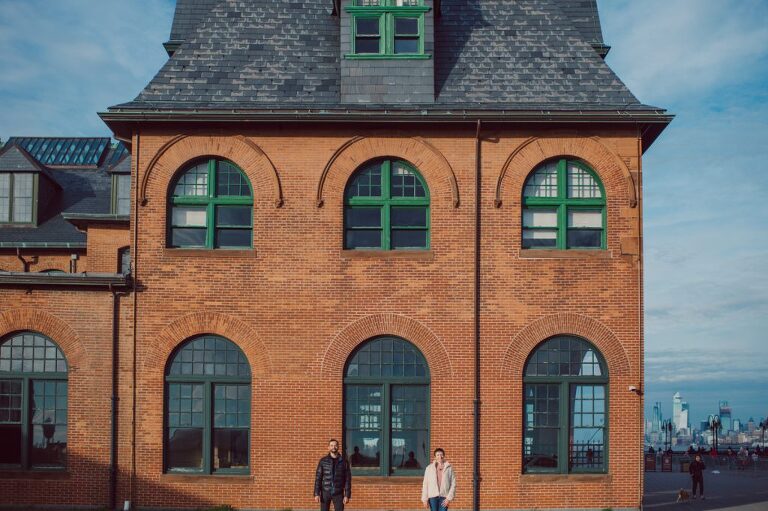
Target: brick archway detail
56 329
175 153
613 172
338 351
432 164
154 358
564 324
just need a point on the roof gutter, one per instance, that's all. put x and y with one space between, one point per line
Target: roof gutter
92 280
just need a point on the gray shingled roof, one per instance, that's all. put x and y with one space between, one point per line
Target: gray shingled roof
83 191
490 55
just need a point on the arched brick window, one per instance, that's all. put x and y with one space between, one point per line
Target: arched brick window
565 407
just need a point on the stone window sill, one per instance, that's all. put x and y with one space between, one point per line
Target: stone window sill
564 478
207 478
564 254
410 255
209 253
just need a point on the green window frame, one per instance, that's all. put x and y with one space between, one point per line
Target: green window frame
121 194
18 198
387 408
33 403
397 26
207 419
386 207
211 207
565 408
564 207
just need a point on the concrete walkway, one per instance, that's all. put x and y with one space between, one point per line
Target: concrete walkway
726 491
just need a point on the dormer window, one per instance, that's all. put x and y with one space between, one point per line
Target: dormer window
387 29
121 194
17 197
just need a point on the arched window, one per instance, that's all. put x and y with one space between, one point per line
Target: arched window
565 407
211 207
386 207
33 402
208 407
563 207
386 408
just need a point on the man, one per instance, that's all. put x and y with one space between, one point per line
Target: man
333 480
696 469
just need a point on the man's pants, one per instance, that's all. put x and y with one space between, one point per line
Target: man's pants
698 481
325 502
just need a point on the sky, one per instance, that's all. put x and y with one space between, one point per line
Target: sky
705 178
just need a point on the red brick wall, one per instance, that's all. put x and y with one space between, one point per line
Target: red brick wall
297 304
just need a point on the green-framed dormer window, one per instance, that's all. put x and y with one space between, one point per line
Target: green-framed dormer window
17 198
121 194
211 206
387 29
386 207
565 408
564 207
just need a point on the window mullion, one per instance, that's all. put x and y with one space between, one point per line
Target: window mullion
386 429
26 427
207 427
386 193
10 198
565 428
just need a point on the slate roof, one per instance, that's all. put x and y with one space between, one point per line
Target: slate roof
84 190
490 55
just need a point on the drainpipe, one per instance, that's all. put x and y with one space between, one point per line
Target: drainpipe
476 461
33 260
135 271
114 400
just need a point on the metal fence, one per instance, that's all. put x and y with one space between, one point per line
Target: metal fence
722 461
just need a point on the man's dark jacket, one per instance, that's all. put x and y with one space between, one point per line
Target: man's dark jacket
696 468
333 477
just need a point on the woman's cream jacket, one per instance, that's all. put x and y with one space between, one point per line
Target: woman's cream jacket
429 488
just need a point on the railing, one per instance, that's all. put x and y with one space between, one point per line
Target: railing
721 462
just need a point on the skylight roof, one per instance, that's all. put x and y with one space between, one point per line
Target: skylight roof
64 151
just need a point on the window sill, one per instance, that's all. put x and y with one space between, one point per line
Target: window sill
410 255
39 474
393 479
528 253
541 478
207 478
209 252
387 56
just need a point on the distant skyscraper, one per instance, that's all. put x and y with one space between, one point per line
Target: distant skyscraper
656 418
725 416
751 426
677 408
684 418
737 425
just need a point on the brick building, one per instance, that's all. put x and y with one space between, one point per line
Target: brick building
406 224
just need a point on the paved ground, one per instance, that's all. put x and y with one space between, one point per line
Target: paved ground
728 490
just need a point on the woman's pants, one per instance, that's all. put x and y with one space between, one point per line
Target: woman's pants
698 481
436 503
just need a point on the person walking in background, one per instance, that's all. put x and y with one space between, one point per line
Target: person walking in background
333 479
696 469
439 486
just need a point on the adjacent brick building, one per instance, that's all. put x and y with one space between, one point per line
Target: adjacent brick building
406 224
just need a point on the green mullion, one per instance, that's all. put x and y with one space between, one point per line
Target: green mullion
210 219
552 201
389 32
564 432
35 197
26 427
207 426
386 195
386 430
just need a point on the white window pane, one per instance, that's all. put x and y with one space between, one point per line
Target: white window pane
543 182
189 217
539 218
5 185
5 207
22 197
22 185
581 184
592 219
539 235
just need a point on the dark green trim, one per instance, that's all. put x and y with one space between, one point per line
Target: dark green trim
386 15
394 56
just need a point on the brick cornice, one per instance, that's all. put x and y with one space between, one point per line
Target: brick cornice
528 338
179 150
154 356
430 162
614 173
23 319
338 351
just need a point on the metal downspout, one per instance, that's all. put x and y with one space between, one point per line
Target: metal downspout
135 272
476 461
115 399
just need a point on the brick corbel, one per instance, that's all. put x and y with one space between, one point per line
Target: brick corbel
354 152
179 150
340 348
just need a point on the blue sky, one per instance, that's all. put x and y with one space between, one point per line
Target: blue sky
705 178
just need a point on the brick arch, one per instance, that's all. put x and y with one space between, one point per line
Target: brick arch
155 355
180 150
430 162
340 348
590 329
613 172
54 328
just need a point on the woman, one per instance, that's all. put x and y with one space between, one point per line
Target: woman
439 487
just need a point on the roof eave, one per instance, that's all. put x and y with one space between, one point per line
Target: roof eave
83 280
83 220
